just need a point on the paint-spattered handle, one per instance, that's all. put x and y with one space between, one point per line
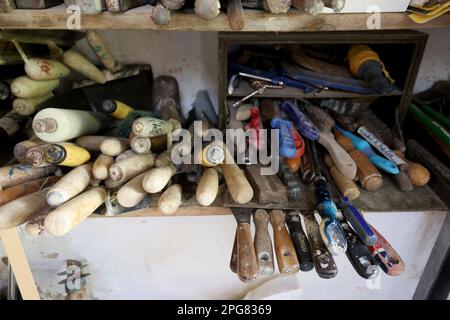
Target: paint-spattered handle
323 261
359 255
263 243
341 159
234 255
284 248
247 265
300 241
388 259
360 224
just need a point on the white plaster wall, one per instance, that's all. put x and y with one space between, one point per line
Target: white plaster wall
188 257
436 59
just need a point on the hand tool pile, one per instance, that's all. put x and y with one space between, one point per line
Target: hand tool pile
338 145
347 155
77 161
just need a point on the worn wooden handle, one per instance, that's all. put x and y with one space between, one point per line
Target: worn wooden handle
114 146
263 243
346 186
20 210
323 261
418 174
284 249
100 168
61 220
367 174
341 159
132 192
70 185
208 187
170 200
247 264
235 14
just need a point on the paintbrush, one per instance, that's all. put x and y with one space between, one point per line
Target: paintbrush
324 123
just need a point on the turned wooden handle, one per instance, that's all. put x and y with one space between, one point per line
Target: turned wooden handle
235 14
368 175
418 174
341 159
284 249
240 189
247 264
346 186
263 243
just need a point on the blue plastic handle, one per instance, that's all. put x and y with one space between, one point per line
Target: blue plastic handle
384 164
358 223
287 145
364 146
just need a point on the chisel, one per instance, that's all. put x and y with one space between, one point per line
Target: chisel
247 263
330 228
263 243
323 261
284 249
300 241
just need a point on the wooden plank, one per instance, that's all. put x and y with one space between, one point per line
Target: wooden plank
19 263
140 18
183 211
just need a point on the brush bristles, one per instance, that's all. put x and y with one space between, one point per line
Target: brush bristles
321 118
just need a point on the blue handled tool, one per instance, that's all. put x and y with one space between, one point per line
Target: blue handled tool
304 125
330 228
362 228
350 212
287 145
272 77
364 146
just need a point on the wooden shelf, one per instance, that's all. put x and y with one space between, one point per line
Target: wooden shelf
388 199
139 18
245 89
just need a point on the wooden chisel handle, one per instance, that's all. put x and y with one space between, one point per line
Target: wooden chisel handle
263 243
240 189
247 265
368 175
235 14
300 241
234 255
323 261
284 249
388 259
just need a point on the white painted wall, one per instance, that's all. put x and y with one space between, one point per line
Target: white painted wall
187 257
